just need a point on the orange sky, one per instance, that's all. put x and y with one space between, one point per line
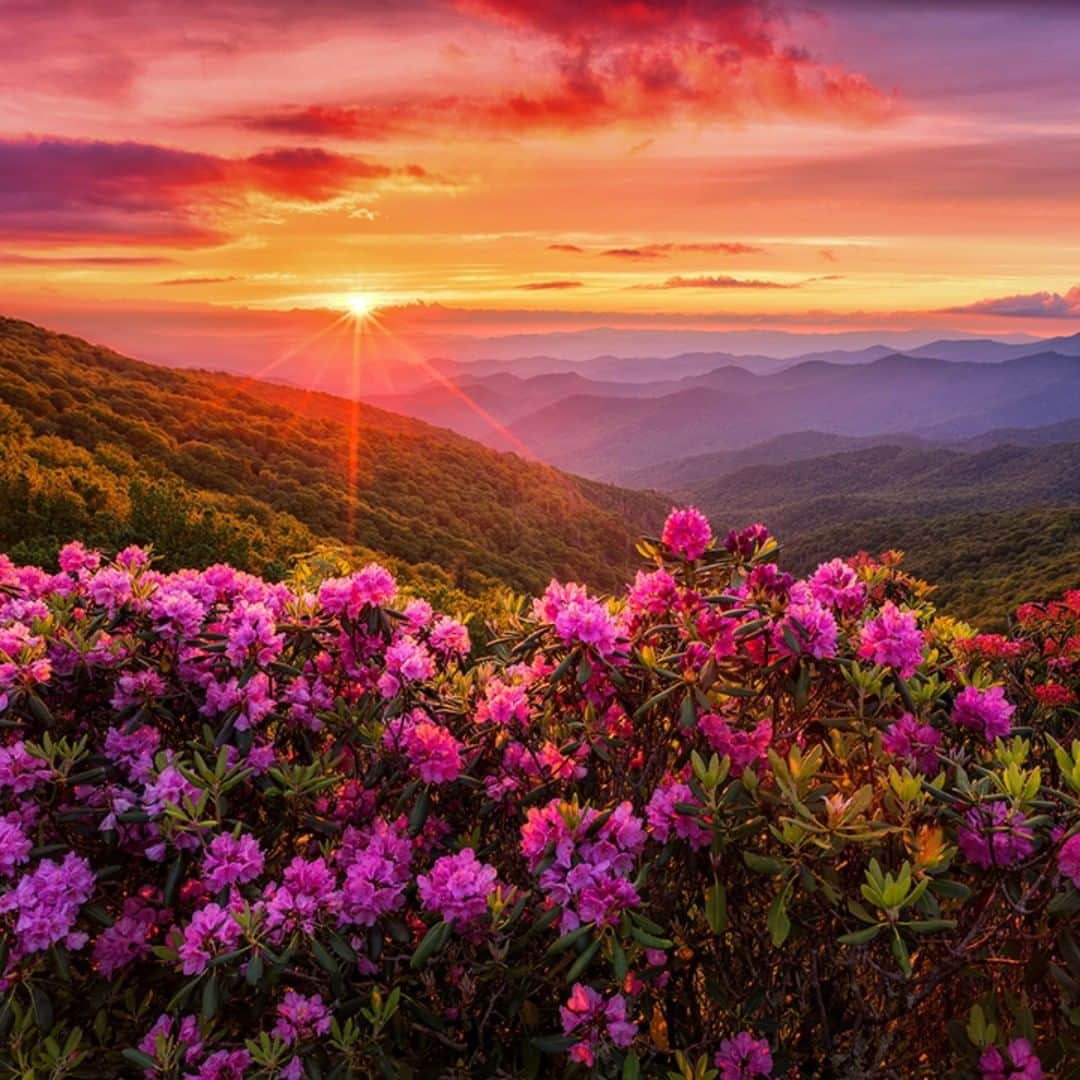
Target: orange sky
726 163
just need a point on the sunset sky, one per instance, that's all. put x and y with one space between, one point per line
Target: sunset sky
495 164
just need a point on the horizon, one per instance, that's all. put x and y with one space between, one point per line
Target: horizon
624 166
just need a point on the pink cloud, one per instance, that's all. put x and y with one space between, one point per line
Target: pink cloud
130 192
1039 305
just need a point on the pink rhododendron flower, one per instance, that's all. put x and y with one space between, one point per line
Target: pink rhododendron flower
46 902
745 748
653 593
376 865
232 860
1069 859
687 533
373 585
300 1017
743 1057
212 931
836 584
458 887
808 623
748 542
985 711
995 836
1019 1062
915 743
591 1017
20 771
15 847
665 818
892 639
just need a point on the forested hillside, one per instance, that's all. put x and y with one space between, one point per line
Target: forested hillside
992 528
206 467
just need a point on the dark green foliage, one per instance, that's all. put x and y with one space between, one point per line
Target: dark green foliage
992 529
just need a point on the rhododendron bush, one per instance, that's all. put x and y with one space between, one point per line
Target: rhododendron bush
727 824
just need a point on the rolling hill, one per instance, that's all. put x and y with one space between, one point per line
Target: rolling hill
992 527
210 466
614 439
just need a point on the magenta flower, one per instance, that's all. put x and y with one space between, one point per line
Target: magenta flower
745 748
376 865
1019 1062
743 1057
892 638
46 902
995 836
653 594
458 887
915 743
503 704
1069 859
665 818
811 624
15 847
212 931
835 583
349 596
588 1015
687 533
232 860
21 771
301 1017
127 940
744 544
985 711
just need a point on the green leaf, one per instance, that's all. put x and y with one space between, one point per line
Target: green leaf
778 922
433 941
631 1068
716 907
860 937
137 1057
568 940
763 864
211 998
582 962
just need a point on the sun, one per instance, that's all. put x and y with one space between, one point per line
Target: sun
360 305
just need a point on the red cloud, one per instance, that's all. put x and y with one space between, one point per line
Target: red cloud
565 247
1040 305
140 193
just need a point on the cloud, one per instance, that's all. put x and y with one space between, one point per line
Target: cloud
542 285
1039 305
131 192
11 258
720 281
197 280
650 61
642 252
639 64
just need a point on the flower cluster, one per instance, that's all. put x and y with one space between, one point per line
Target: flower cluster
320 829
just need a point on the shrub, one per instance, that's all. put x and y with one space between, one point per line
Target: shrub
727 824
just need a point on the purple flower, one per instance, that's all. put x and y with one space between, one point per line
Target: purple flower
15 847
687 533
376 873
745 748
232 860
458 887
47 902
21 771
811 624
665 818
301 1017
587 1015
1018 1063
914 742
893 639
984 710
742 1057
1069 859
349 596
995 836
744 544
212 930
835 583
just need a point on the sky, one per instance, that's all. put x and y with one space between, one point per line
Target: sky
194 171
